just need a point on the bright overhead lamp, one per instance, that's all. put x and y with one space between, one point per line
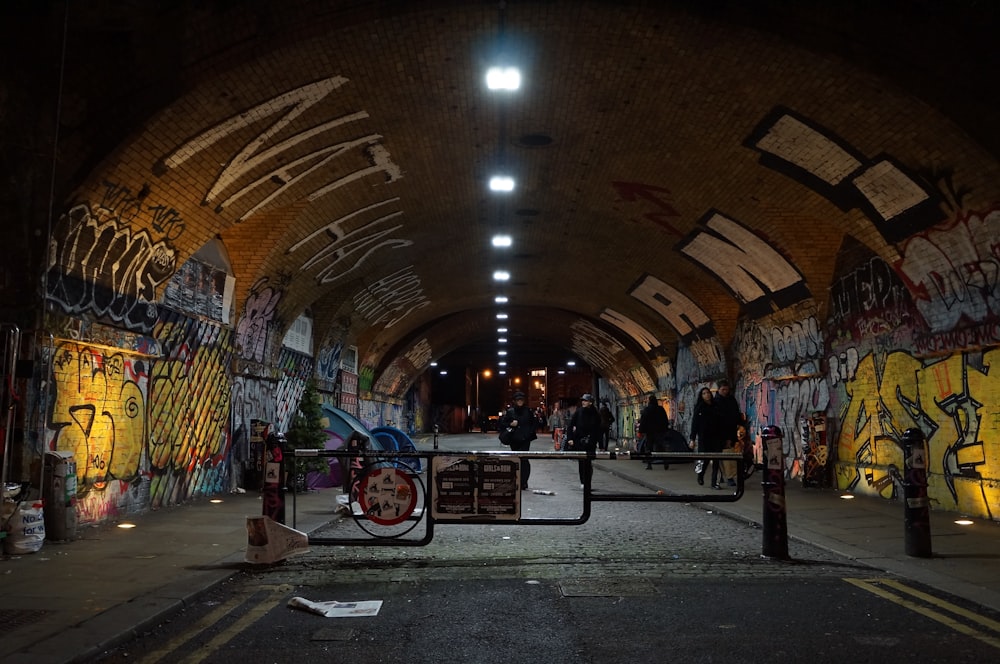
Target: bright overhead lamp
501 183
503 78
501 316
500 299
501 340
444 372
502 330
502 241
571 363
501 353
501 275
502 363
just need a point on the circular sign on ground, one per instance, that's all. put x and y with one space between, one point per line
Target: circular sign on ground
387 495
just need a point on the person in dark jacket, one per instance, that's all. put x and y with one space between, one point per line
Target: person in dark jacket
707 433
606 420
731 418
520 418
654 425
585 432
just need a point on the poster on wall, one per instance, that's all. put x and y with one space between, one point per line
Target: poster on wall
468 489
348 383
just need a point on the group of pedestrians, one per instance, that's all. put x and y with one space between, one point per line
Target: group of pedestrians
585 429
717 426
714 429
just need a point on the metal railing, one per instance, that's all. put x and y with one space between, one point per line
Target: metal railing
388 498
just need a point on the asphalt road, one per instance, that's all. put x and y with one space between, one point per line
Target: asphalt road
639 582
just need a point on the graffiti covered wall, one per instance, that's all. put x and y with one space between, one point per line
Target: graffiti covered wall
777 362
882 385
98 413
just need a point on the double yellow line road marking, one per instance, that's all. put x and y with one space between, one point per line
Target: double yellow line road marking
259 610
896 592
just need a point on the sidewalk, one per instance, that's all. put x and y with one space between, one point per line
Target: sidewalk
71 601
965 560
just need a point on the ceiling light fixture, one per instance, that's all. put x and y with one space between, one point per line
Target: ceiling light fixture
502 330
501 275
502 241
503 78
500 299
501 316
503 183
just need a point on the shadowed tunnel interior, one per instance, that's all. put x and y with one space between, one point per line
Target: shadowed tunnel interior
212 205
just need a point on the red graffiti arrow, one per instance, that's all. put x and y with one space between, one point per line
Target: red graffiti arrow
633 191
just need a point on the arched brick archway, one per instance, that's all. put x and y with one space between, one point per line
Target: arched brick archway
252 191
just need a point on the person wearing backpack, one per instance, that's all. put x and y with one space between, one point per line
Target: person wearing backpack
522 423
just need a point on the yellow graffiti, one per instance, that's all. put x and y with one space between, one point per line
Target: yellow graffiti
954 401
98 414
189 409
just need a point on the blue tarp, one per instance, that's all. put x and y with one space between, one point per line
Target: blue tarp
397 440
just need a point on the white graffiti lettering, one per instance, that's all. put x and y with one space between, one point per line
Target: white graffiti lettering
398 294
258 314
641 336
676 308
744 262
953 273
103 267
799 341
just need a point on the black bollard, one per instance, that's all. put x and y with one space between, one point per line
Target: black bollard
273 488
774 521
917 516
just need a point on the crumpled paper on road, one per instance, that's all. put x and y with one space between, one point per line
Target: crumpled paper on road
337 609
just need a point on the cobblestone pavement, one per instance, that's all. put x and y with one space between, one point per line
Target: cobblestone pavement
633 539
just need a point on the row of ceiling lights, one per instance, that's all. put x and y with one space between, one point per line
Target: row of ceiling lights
502 79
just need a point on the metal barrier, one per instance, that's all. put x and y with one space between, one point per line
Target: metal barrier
388 500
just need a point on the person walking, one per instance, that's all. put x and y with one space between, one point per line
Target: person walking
706 433
585 432
521 419
730 419
654 425
606 420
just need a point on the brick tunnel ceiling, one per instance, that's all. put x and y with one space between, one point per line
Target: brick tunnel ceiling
676 167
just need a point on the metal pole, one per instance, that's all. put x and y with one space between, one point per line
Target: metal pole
774 521
916 507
